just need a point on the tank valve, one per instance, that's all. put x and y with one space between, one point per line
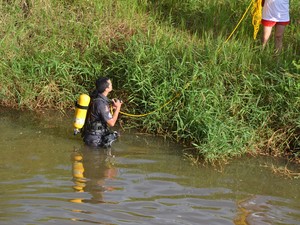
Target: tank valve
76 131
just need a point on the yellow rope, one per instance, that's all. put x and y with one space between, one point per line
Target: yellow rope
168 102
256 11
245 13
256 16
146 114
238 24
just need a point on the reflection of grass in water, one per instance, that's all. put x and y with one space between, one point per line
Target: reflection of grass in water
242 214
265 209
282 170
285 172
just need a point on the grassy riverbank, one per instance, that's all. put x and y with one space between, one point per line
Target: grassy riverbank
228 98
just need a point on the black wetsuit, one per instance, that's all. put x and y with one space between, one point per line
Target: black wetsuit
95 131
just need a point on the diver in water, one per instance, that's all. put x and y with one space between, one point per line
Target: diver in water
96 131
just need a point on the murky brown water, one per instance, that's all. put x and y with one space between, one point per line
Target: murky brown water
47 176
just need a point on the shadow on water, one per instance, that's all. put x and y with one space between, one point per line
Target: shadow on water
48 176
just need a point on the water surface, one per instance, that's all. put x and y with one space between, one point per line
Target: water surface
47 176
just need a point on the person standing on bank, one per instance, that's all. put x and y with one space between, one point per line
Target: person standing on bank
96 131
275 13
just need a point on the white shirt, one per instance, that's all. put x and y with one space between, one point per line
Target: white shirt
276 10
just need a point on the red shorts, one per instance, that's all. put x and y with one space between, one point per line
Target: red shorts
268 23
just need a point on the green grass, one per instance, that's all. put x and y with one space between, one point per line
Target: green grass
231 98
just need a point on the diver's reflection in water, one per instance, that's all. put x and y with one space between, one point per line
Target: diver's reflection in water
90 169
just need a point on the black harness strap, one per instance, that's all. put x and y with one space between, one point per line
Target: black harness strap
80 106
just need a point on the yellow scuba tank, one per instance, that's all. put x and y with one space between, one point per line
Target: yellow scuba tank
81 107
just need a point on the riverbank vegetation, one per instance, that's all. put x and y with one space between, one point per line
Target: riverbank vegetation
224 99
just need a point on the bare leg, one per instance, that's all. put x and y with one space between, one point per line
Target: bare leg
279 30
266 35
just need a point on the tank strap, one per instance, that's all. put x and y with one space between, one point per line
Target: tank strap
80 106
